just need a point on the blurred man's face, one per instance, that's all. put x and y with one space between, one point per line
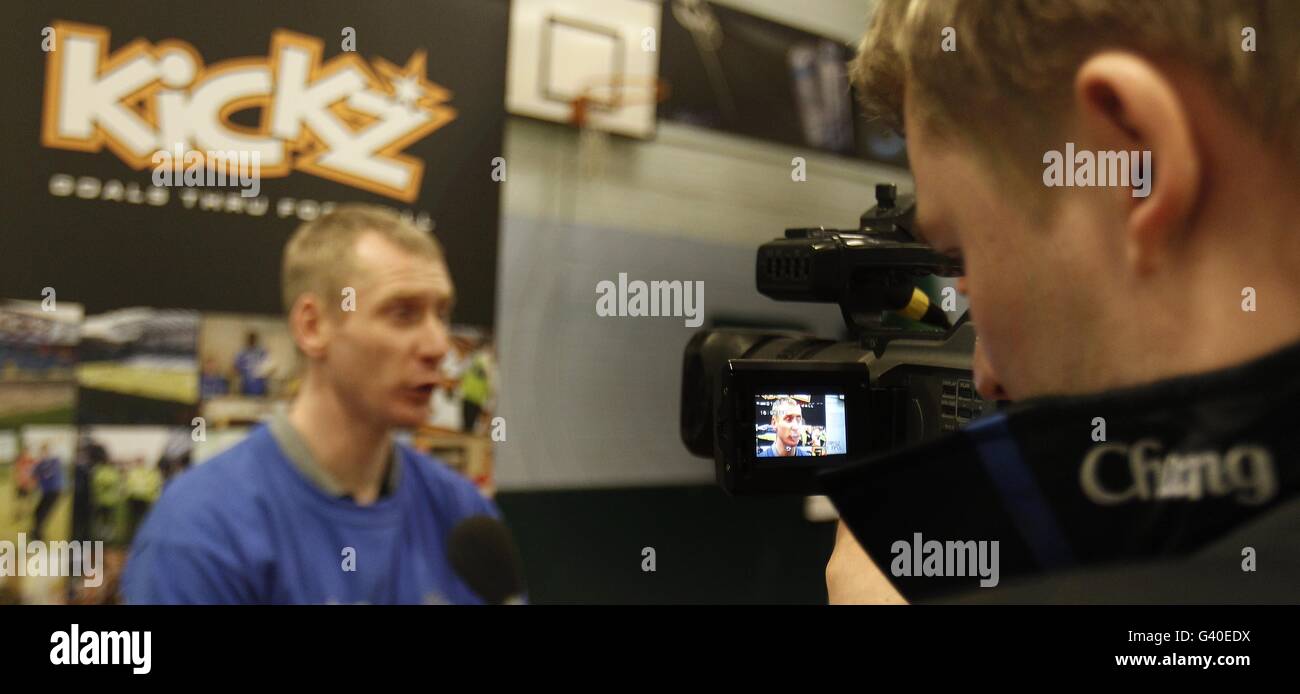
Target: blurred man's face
1033 289
384 356
788 420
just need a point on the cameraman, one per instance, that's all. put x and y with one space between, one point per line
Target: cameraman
1169 304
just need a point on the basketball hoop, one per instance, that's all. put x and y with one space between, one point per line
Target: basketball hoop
607 95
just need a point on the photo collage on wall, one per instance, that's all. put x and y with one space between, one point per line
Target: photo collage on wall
98 414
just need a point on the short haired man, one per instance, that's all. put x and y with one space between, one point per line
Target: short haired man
250 364
1150 328
322 505
787 422
49 475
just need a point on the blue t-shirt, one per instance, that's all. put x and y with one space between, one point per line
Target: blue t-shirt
249 365
247 527
49 472
212 385
767 452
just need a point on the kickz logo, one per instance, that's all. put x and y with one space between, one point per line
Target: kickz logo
345 120
1246 472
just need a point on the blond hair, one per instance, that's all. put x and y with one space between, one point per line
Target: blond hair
319 257
1010 79
784 401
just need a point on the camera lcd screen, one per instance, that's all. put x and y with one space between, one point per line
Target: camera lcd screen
800 424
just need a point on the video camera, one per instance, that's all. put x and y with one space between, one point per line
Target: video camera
774 410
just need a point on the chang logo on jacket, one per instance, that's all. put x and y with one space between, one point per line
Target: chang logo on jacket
345 119
1117 473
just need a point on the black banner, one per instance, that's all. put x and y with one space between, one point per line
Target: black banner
742 74
902 645
121 115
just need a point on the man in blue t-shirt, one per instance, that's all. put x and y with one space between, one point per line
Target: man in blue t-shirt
49 475
250 364
321 505
212 383
787 421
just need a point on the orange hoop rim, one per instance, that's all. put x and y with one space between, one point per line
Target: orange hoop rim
628 90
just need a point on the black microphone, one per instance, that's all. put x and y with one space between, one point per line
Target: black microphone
483 554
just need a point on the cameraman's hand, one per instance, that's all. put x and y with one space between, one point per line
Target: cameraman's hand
853 579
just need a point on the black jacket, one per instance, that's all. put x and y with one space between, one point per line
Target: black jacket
1191 484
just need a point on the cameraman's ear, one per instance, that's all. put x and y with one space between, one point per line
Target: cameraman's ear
1127 103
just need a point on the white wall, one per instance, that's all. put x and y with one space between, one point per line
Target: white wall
687 182
593 401
839 19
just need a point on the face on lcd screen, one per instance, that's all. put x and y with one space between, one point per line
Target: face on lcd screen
799 424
